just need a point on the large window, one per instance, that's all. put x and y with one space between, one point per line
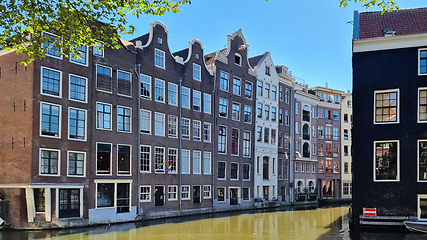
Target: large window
248 114
185 192
259 88
98 49
223 83
197 130
103 79
105 195
39 200
221 170
259 110
159 58
273 93
222 139
207 163
173 126
387 106
206 132
49 162
145 86
145 159
159 124
81 56
172 160
103 116
145 124
248 90
77 124
123 159
197 101
223 107
114 195
185 128
159 159
422 160
50 47
103 158
50 120
246 171
123 119
76 163
267 90
422 207
172 94
234 171
124 83
236 86
51 82
77 88
235 111
287 118
221 194
185 161
235 141
273 114
159 90
422 64
386 161
422 104
185 97
196 162
246 144
206 103
197 72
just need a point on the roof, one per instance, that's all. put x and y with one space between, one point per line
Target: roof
253 61
404 22
182 53
210 58
143 39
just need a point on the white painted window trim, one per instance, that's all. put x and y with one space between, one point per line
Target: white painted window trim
111 160
59 120
71 59
69 88
130 119
398 161
84 163
41 82
130 80
68 136
150 159
59 162
419 60
111 116
418 104
397 105
130 160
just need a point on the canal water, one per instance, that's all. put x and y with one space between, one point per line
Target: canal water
288 223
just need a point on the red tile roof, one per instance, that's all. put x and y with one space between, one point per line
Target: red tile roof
210 58
404 22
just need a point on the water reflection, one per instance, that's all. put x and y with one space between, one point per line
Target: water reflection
305 223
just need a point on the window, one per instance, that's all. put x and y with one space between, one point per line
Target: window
313 130
335 133
387 106
248 114
185 97
197 72
287 96
159 90
103 158
259 88
422 160
248 90
314 148
207 192
234 171
273 93
50 120
172 160
287 118
266 135
236 86
206 103
321 133
50 47
345 134
206 132
265 168
235 141
320 113
286 141
77 88
185 192
246 171
345 150
124 83
223 82
422 64
123 159
145 194
302 167
172 94
103 116
196 162
159 124
259 110
336 167
235 111
266 112
297 127
280 116
39 199
197 130
98 49
76 124
145 159
76 163
267 90
280 139
173 126
296 108
172 193
145 125
49 162
197 98
159 58
345 167
81 56
336 150
246 144
185 161
328 150
296 167
145 86
273 114
273 136
386 161
320 149
335 113
103 79
185 128
207 163
267 70
221 170
221 194
223 107
259 134
345 188
159 159
422 104
51 82
421 205
123 119
345 117
328 133
237 59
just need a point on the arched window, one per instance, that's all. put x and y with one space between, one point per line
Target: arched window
306 150
311 186
300 186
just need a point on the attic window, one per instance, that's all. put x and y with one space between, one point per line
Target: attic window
388 32
197 56
238 59
159 40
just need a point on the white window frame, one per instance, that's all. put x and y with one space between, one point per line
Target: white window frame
185 192
149 85
150 160
60 50
115 182
207 106
130 81
186 137
239 112
96 83
238 91
173 192
73 60
240 59
249 144
111 114
182 162
41 82
189 97
197 72
176 126
149 121
418 160
398 161
96 49
85 128
207 163
418 104
238 175
156 122
194 162
59 120
59 162
162 58
419 197
197 95
419 61
397 105
161 88
69 88
68 163
197 130
130 119
207 191
171 90
148 194
228 81
162 169
226 108
225 143
209 130
111 160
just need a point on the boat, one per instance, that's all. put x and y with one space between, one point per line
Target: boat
416 226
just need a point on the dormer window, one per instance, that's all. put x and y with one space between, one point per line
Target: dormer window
388 32
159 40
238 59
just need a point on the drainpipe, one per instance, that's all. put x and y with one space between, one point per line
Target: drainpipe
138 73
180 142
291 143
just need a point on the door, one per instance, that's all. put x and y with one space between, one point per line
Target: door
158 196
69 203
283 194
265 189
196 194
233 196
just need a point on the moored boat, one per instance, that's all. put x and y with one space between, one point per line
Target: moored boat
415 226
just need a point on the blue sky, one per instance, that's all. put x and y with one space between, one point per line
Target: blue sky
311 37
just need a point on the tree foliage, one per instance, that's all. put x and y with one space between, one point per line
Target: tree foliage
74 22
384 5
